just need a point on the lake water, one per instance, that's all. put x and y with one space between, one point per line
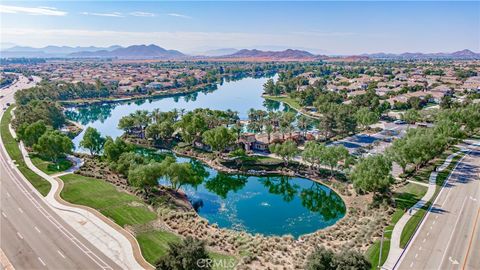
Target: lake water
269 205
239 96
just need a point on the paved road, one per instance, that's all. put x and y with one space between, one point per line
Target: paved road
450 235
32 235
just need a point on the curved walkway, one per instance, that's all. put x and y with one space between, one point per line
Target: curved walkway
395 250
107 236
111 239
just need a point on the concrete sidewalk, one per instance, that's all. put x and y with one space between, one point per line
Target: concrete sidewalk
112 240
395 251
106 238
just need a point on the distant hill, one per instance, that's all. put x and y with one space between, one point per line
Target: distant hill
132 52
463 54
218 52
49 51
288 54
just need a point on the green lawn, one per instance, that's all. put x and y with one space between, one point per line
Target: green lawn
405 197
408 195
373 251
423 174
42 185
154 244
49 167
288 100
124 209
121 207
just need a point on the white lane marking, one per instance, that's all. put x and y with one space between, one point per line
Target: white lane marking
420 248
8 194
36 228
4 215
41 261
454 227
424 239
20 209
431 227
459 163
63 256
411 264
453 261
20 235
434 222
436 217
416 255
42 210
428 233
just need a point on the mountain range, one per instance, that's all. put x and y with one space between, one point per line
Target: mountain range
132 52
50 51
155 52
274 55
463 54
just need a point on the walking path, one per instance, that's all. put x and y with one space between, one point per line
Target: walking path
111 239
395 250
107 236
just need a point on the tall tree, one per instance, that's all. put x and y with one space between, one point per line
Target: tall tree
372 174
145 176
366 117
303 123
332 155
30 134
112 149
93 141
287 150
219 138
54 145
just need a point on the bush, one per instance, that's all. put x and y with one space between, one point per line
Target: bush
325 259
184 256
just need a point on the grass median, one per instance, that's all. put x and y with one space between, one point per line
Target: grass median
413 223
13 150
124 209
405 197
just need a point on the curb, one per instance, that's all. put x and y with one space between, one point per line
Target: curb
137 253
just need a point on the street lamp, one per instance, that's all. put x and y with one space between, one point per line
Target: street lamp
381 247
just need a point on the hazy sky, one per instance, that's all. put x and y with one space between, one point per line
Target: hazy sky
330 27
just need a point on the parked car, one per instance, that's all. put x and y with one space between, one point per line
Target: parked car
399 122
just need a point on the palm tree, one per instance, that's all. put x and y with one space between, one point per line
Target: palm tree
303 123
141 120
269 130
274 119
156 115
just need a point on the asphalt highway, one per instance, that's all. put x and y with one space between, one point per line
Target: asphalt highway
32 235
449 237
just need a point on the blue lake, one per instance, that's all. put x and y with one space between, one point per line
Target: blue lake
239 96
269 205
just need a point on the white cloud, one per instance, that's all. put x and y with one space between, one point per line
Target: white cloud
142 14
49 11
110 14
179 15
